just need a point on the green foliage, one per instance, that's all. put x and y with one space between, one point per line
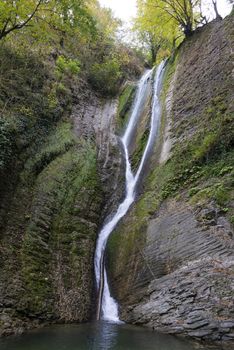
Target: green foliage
182 12
17 16
220 191
46 19
67 66
205 148
30 100
106 77
27 88
79 37
55 209
162 24
225 170
200 168
6 141
156 30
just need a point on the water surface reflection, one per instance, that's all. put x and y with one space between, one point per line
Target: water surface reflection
95 336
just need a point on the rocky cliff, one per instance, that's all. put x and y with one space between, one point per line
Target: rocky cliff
58 157
171 261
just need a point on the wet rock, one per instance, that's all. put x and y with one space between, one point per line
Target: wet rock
163 309
4 318
200 333
227 324
194 319
195 324
229 336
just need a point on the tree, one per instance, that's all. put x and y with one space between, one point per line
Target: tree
15 15
107 27
61 16
70 16
155 29
107 23
182 11
214 2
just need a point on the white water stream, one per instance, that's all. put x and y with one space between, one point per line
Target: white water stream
108 307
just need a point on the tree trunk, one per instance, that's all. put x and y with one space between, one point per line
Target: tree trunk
154 51
153 54
216 10
188 30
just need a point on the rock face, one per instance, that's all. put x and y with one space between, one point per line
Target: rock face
188 269
95 119
171 259
51 213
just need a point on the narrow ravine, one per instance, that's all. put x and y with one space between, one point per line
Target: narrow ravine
107 307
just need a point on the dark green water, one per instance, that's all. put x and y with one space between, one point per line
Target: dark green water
95 336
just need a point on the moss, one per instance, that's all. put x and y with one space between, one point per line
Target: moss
213 187
198 157
64 220
66 196
32 101
199 170
208 154
133 241
125 103
75 226
140 147
133 226
58 142
6 142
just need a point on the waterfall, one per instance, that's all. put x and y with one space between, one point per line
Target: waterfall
107 306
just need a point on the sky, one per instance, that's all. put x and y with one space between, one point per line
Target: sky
126 9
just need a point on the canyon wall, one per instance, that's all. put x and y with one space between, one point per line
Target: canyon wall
54 195
171 259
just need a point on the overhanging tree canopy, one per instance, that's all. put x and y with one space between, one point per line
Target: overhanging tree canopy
155 29
184 12
60 15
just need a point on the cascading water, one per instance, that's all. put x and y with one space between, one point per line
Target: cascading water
107 307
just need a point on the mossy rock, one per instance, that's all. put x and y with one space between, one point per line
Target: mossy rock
125 103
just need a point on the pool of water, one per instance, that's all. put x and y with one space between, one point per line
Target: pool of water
95 336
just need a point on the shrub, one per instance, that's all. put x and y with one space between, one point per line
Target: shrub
6 142
67 66
206 147
105 77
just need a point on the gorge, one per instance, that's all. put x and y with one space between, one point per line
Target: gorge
119 207
107 306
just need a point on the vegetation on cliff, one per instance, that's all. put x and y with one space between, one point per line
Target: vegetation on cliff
184 213
55 57
161 25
